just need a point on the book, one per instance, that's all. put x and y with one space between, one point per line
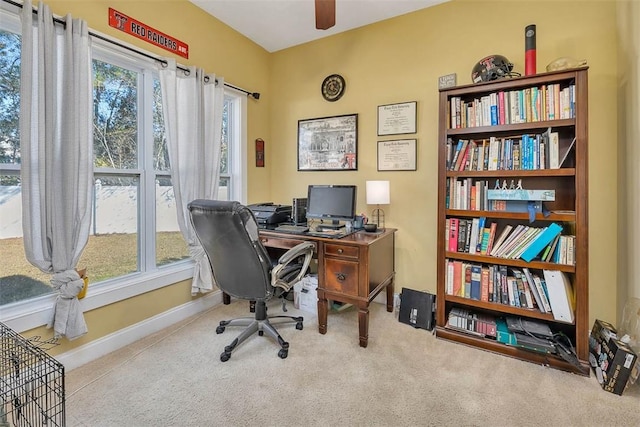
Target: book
528 277
456 154
453 234
484 284
503 235
560 295
542 293
554 150
492 233
542 240
461 155
511 240
473 241
467 280
476 278
457 279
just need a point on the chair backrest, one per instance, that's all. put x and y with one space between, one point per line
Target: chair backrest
228 233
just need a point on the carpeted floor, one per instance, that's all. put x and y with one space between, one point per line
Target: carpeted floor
404 377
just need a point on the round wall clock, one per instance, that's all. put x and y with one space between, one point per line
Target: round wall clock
333 87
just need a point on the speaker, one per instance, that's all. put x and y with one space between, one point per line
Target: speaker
299 211
417 309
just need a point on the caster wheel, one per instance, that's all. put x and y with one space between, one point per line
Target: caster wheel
219 329
299 326
261 333
282 354
225 356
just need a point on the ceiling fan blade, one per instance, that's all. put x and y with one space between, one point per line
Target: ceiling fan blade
325 14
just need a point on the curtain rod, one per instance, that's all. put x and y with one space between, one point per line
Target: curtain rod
254 95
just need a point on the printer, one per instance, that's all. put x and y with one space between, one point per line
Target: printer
270 214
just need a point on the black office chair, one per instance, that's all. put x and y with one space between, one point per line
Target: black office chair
242 268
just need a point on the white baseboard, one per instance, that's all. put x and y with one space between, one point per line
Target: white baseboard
105 345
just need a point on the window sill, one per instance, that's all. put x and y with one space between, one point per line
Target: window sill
22 316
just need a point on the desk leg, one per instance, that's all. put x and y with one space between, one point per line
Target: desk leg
363 322
323 307
390 297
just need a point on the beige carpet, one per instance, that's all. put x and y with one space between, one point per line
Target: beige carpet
405 377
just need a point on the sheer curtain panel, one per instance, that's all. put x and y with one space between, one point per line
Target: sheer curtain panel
192 104
56 144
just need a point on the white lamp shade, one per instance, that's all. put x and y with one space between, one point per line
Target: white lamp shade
378 193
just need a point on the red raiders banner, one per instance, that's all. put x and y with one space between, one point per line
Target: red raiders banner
144 32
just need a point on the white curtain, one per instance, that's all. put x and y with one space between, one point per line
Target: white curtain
56 146
192 104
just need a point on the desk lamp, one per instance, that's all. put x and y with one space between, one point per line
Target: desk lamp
378 194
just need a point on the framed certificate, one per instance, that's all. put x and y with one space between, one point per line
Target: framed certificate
397 119
397 155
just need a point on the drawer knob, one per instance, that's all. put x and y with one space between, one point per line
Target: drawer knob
340 250
341 276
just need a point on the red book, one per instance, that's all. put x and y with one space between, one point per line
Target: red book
492 234
457 278
453 234
484 284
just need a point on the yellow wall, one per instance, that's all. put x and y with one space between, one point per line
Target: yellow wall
393 61
400 60
629 151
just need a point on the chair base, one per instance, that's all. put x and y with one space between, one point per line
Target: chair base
260 324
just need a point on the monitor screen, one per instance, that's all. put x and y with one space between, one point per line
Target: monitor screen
335 202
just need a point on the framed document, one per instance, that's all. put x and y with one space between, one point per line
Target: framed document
328 143
397 119
397 155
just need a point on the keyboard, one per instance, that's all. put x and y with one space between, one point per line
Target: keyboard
292 228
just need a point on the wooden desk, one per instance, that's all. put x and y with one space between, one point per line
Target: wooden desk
353 270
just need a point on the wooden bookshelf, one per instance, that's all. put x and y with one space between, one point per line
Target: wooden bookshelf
459 119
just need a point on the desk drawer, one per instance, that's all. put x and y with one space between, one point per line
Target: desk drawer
343 251
341 276
283 243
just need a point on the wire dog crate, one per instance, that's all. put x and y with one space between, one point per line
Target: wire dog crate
31 382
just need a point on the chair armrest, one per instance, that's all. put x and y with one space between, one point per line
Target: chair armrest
281 273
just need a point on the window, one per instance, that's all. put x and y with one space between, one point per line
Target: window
135 242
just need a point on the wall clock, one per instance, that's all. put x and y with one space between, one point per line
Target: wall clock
333 87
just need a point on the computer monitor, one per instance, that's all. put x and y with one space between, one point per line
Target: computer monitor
331 202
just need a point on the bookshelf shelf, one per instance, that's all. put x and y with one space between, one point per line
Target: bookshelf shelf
535 121
510 262
553 216
513 173
511 128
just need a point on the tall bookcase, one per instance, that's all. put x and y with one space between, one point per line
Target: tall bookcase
534 121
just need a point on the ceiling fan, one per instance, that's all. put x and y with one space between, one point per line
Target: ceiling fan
325 14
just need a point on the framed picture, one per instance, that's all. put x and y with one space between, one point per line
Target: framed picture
397 119
397 155
328 143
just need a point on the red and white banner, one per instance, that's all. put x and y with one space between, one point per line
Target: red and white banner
144 32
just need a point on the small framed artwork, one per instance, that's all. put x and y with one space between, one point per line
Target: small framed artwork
259 153
397 119
397 155
328 143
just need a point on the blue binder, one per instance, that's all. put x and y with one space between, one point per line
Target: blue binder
541 242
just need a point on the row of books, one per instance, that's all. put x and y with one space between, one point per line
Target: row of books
477 324
467 194
477 195
550 292
476 236
523 152
533 104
